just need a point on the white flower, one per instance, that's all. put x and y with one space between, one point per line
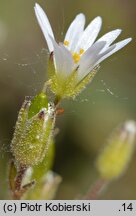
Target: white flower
79 51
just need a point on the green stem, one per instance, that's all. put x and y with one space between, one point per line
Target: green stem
57 100
18 182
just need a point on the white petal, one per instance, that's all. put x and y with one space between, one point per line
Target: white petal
45 25
63 59
110 37
74 31
89 35
57 56
89 58
116 47
68 62
86 67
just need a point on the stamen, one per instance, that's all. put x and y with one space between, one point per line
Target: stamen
76 57
81 51
66 43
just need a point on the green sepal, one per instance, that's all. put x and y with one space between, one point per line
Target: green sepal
20 124
64 87
12 175
41 169
40 101
84 82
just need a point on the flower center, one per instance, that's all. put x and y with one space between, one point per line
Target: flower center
76 56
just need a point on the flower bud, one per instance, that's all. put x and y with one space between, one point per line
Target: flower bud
20 124
32 135
115 157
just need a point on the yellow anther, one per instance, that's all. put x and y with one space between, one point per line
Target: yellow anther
81 51
76 57
66 43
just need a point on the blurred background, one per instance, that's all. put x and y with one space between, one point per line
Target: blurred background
90 118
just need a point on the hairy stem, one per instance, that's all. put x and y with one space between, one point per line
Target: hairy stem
17 193
94 192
